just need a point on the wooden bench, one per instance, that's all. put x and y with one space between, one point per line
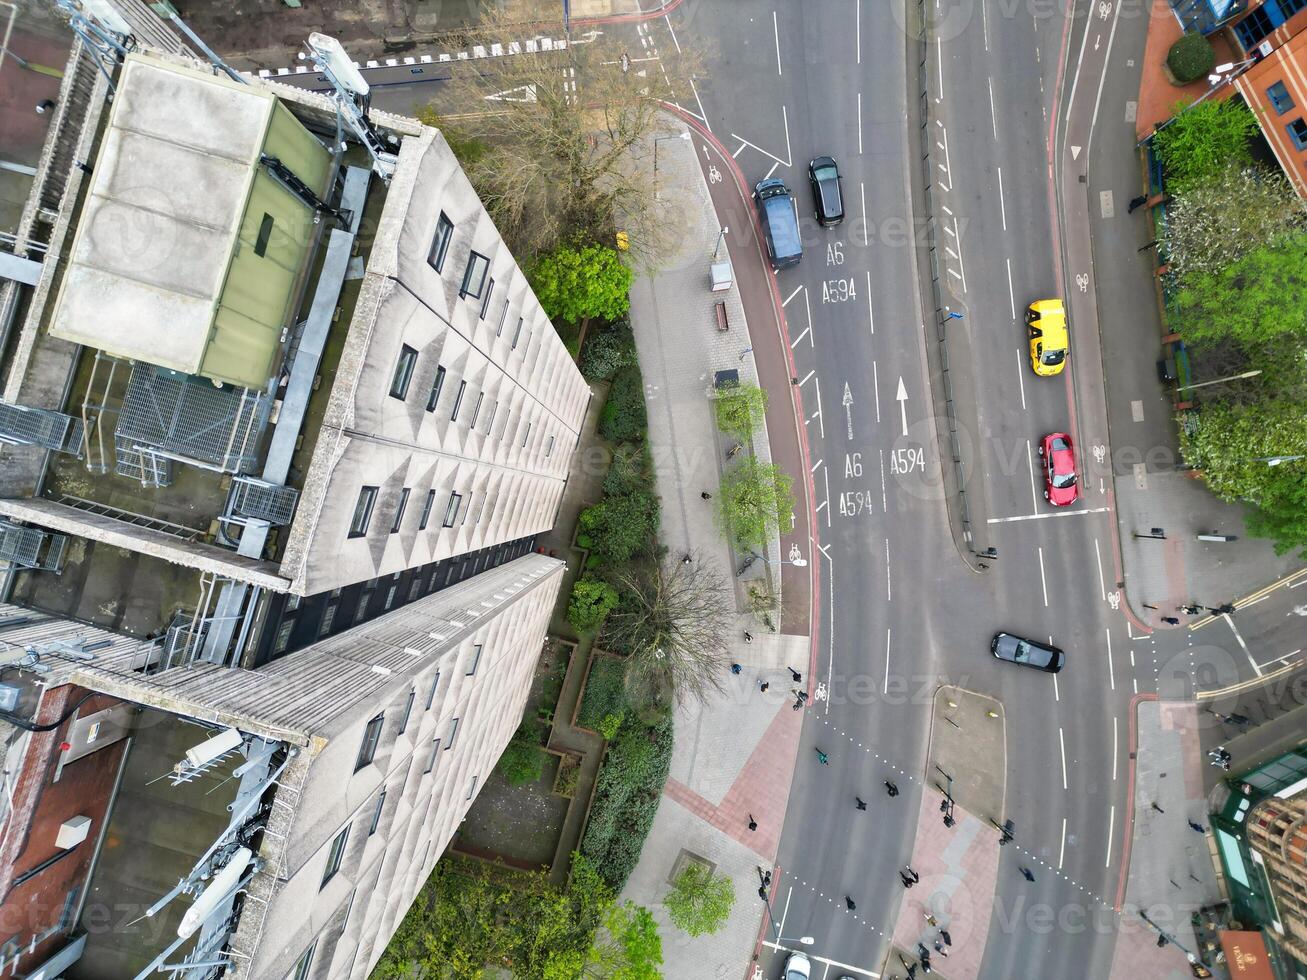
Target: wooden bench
723 324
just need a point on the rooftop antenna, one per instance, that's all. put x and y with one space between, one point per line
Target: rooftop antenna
107 36
209 53
352 95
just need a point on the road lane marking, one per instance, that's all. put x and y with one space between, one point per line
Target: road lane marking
860 123
1042 580
1001 205
1102 586
807 308
884 504
1114 748
771 171
1111 671
984 18
1021 379
1061 740
1040 517
993 119
1061 852
826 476
1030 462
1244 646
1111 822
875 382
1011 295
889 593
1057 695
776 30
671 30
819 462
795 341
702 113
820 421
865 240
857 28
804 382
1253 602
871 317
885 689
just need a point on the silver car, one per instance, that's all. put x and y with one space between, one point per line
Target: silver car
797 967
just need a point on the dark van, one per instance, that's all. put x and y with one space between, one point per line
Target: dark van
780 222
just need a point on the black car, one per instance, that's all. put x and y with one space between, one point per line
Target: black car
825 179
1031 653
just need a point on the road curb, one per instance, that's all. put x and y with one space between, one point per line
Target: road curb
1128 822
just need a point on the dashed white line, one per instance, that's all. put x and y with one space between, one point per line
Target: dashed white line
857 29
1114 748
1244 646
1002 205
1052 513
1061 741
1030 462
1061 853
777 31
884 500
889 591
984 17
875 384
786 301
865 239
1021 378
888 633
859 122
871 317
1111 671
1098 557
826 476
1111 822
1042 580
993 117
1011 293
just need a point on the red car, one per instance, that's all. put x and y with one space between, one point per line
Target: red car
1060 486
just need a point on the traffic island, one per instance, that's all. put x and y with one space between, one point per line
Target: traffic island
967 763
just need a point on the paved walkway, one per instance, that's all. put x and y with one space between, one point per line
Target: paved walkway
1172 873
1149 489
734 756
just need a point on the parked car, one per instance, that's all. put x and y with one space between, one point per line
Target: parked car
824 176
1031 653
797 967
780 222
1046 327
1060 487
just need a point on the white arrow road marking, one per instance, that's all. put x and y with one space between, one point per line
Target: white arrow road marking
1075 152
848 408
902 397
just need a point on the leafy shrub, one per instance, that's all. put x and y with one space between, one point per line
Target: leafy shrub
1203 140
569 774
584 541
1190 58
606 350
630 785
619 526
591 601
624 418
522 761
740 409
609 727
577 282
605 694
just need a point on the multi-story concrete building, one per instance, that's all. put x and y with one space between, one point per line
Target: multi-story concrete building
280 420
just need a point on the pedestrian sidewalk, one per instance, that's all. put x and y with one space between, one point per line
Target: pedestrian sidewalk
1149 488
733 757
1172 871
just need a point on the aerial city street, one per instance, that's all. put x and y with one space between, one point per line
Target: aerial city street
639 488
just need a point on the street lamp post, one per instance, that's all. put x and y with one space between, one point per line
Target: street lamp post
1156 532
766 901
1233 377
685 135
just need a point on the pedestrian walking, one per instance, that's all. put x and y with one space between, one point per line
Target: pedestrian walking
748 637
1191 610
762 892
906 879
795 674
1156 807
890 788
1147 245
753 824
1197 827
912 874
1170 621
860 803
763 685
940 949
822 758
948 940
930 918
1136 203
686 559
799 696
736 668
1027 874
705 495
44 106
852 905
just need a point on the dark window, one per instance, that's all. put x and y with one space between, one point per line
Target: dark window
390 597
491 423
426 510
453 733
474 276
399 511
1254 28
376 814
485 300
414 588
371 736
451 509
517 332
503 315
283 635
440 244
1298 133
1281 101
467 509
458 401
474 660
408 710
436 385
476 410
292 602
549 450
265 233
527 435
358 525
334 857
435 752
361 610
472 789
435 684
399 382
301 971
328 620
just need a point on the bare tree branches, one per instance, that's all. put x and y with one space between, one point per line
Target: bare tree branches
673 622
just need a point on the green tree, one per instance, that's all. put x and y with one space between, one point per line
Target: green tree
619 528
624 417
755 501
700 901
522 761
627 947
1259 299
740 409
1202 140
582 282
1281 514
1218 222
606 350
1190 58
1233 445
591 601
